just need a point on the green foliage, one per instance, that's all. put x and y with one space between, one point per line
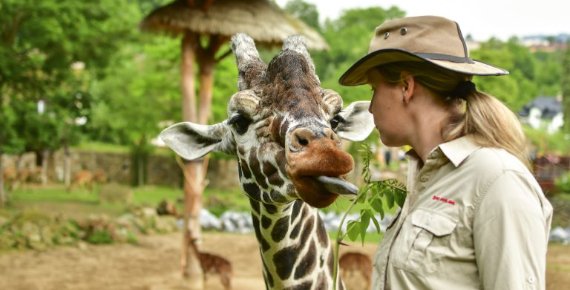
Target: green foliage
49 51
100 237
563 183
142 85
544 142
307 12
372 197
531 74
93 146
565 83
225 84
45 226
35 230
10 141
348 38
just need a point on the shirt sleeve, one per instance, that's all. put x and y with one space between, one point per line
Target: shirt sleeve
510 232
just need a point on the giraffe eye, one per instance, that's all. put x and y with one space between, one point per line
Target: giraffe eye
240 123
336 121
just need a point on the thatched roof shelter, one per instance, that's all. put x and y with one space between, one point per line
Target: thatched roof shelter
263 20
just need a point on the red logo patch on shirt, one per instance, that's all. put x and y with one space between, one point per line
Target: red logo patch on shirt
443 199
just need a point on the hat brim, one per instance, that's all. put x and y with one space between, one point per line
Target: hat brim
357 73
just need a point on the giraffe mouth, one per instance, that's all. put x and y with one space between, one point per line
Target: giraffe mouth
321 191
338 185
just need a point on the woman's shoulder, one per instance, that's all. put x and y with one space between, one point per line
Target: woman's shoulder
495 160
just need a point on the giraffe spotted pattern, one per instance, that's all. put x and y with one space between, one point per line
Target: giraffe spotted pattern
285 131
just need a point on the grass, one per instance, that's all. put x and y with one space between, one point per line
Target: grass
102 147
54 199
114 148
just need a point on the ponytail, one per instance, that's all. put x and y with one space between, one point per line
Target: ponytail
491 124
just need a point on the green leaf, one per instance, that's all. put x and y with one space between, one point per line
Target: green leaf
389 193
376 188
400 197
376 204
376 223
353 230
365 216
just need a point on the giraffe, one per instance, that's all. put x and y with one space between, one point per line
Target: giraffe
285 131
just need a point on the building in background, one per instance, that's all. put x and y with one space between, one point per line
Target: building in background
543 113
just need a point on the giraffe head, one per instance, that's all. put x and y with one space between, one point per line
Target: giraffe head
283 127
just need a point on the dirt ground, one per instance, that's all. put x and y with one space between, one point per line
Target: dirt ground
153 265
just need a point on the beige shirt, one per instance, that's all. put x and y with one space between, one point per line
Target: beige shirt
474 218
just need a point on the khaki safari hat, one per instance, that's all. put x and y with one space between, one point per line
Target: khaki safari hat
424 38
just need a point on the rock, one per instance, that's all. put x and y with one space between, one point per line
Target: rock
209 221
560 235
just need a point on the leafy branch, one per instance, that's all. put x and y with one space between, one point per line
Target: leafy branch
372 197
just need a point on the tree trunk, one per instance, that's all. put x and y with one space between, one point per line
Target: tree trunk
206 86
3 197
189 43
190 262
195 171
193 188
44 169
66 165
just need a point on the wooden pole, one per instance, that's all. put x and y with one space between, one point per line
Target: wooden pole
190 262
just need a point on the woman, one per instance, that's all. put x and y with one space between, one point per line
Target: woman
475 217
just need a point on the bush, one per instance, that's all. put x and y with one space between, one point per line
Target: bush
39 231
563 183
115 193
35 230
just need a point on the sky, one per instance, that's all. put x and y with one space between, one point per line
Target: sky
481 19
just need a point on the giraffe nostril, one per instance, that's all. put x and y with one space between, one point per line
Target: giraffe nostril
303 136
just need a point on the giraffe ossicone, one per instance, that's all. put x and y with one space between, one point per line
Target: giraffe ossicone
285 131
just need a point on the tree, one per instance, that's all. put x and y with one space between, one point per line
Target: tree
531 74
40 41
140 91
565 83
307 12
10 143
348 37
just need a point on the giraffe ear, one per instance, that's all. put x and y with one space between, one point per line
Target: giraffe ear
192 141
357 122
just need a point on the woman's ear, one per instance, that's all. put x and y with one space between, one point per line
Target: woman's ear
408 87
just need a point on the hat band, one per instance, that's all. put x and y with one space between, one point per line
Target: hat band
446 57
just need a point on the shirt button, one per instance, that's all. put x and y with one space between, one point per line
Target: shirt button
423 178
530 280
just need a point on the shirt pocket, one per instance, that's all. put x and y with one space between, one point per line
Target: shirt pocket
425 239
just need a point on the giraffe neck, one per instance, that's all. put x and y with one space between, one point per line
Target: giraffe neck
295 249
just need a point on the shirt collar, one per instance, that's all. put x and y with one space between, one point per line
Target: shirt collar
459 149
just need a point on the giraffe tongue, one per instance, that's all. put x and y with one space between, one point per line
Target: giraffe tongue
338 185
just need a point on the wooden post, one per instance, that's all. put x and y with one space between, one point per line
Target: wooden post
190 263
195 171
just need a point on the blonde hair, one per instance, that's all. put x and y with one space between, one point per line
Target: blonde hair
483 117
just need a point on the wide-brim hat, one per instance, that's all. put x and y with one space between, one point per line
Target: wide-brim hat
424 38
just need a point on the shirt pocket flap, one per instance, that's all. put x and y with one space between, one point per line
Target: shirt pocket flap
436 224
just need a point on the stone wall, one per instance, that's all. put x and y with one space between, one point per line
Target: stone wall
162 170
